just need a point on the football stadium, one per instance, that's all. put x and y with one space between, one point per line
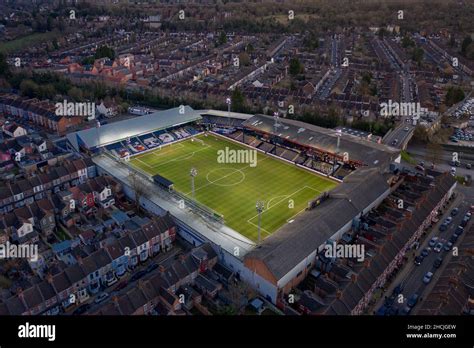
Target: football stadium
267 192
232 189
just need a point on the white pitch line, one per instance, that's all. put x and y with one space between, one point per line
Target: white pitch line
261 228
182 157
139 160
223 177
302 188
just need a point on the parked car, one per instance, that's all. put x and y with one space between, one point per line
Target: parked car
448 220
438 247
459 231
425 252
82 309
427 278
101 297
138 275
448 246
413 300
121 285
433 241
443 227
418 260
406 310
151 267
453 239
454 212
437 263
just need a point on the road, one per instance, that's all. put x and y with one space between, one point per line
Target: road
411 275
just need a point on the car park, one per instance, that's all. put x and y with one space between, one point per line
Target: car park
427 278
438 247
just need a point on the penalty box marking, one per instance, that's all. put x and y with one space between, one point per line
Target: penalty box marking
284 199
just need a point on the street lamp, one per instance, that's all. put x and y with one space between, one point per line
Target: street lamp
228 102
193 172
260 206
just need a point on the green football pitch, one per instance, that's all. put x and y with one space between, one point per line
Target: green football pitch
232 189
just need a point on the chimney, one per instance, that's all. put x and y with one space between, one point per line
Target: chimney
338 294
79 260
182 257
49 278
161 268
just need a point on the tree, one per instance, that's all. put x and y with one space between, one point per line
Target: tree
104 51
244 59
4 68
222 38
454 95
434 152
418 54
75 94
138 188
29 88
237 100
295 67
465 43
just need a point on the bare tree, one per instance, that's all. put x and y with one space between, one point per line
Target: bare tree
434 153
138 188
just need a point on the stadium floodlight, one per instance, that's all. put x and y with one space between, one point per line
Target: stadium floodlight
193 172
228 102
260 206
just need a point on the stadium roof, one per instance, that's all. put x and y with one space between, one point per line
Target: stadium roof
116 131
293 242
226 114
324 139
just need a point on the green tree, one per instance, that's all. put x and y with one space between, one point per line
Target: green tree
222 38
4 68
238 100
454 95
465 43
104 51
296 67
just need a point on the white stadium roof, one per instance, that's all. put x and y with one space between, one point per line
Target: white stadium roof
113 132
